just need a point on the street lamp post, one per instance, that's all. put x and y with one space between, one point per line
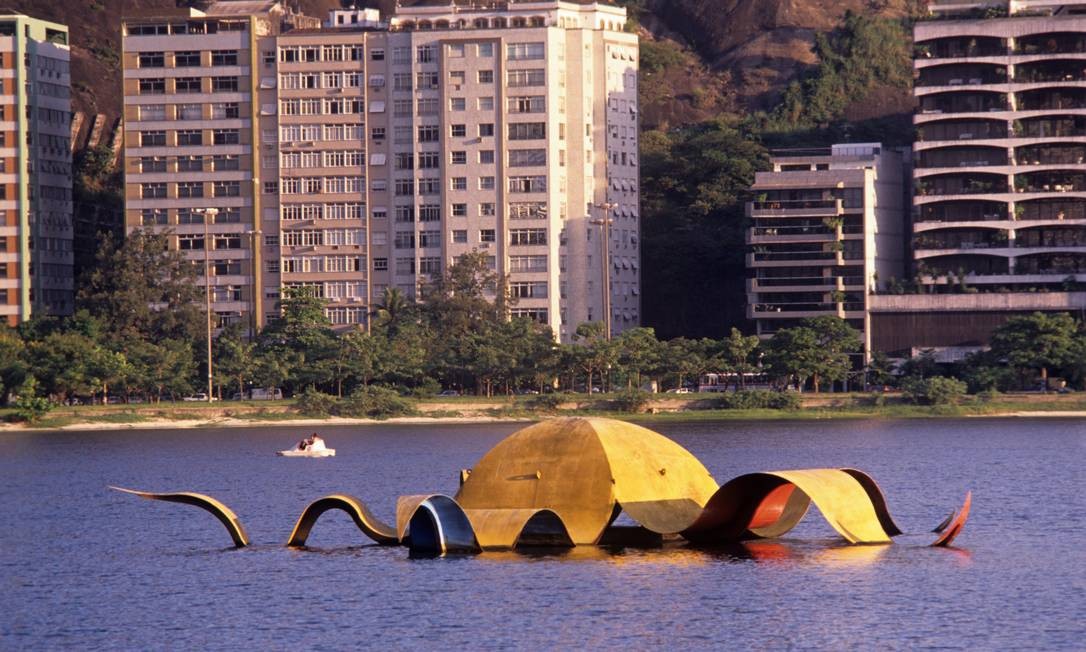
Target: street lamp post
605 228
209 215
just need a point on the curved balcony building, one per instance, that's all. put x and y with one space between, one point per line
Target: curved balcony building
1000 174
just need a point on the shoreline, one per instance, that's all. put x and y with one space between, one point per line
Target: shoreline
708 415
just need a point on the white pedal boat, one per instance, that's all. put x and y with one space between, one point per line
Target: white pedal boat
316 449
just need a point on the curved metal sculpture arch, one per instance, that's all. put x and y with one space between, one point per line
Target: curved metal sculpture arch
563 481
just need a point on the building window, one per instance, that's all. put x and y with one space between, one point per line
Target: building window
486 77
224 58
190 137
425 54
459 236
149 112
429 134
429 213
457 104
486 156
528 184
404 240
527 131
429 186
152 164
152 86
527 157
523 78
458 183
225 111
486 129
486 235
226 136
227 189
225 163
190 189
486 103
380 264
151 217
459 158
405 214
153 190
429 160
224 84
377 54
528 237
188 84
190 163
458 131
527 104
456 51
152 60
187 59
189 242
459 210
486 49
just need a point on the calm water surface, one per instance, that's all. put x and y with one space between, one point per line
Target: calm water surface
84 567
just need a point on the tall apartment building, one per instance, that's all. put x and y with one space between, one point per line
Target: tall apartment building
1000 174
35 170
827 227
363 155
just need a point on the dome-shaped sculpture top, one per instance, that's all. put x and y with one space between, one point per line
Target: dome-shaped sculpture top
581 468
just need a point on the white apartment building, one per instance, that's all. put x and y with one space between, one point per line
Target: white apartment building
371 155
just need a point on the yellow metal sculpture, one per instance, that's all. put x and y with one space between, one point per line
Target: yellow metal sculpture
563 482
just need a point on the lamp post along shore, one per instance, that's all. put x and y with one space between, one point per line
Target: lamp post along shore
209 215
605 246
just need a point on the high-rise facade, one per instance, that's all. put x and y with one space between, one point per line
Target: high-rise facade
826 227
35 170
361 155
1000 170
999 208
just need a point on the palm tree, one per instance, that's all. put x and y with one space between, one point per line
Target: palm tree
392 309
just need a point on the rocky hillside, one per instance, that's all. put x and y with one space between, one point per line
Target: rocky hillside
731 54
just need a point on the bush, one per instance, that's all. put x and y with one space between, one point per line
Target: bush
427 388
630 400
376 403
546 401
936 390
315 404
28 405
755 399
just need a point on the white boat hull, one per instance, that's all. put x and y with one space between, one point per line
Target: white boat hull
294 452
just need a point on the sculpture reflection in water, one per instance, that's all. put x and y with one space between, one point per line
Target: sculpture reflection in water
563 482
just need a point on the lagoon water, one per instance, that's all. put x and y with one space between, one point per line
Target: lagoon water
84 567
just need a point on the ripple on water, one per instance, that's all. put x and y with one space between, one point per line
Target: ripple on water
88 568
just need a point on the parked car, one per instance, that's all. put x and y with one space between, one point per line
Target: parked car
448 392
200 396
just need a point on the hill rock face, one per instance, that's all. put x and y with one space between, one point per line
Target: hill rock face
741 52
761 44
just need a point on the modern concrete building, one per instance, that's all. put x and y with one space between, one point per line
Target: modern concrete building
827 226
1000 167
363 155
35 170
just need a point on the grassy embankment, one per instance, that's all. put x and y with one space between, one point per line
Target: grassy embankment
660 408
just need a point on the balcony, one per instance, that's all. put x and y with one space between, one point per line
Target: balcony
962 184
1050 209
963 211
1051 154
796 208
1051 237
1050 181
960 47
954 157
964 101
1051 263
1052 99
1051 43
964 264
961 130
1049 71
1050 127
961 239
962 74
